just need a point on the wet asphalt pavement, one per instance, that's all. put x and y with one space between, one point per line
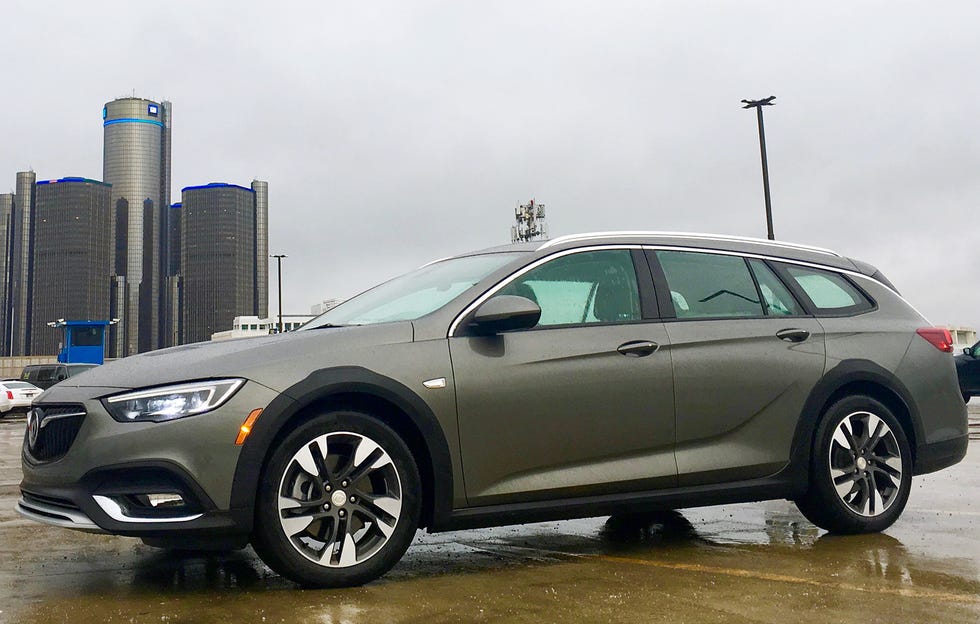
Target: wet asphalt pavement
759 562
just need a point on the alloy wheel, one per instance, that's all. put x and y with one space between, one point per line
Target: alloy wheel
866 464
340 498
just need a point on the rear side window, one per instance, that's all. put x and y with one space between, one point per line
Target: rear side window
777 300
704 285
829 292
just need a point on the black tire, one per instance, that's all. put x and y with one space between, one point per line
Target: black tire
868 496
352 538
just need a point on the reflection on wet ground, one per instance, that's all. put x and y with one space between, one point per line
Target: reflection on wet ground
758 562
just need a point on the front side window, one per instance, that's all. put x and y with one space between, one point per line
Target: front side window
704 285
828 292
587 287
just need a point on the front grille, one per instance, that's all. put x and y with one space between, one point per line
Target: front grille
57 426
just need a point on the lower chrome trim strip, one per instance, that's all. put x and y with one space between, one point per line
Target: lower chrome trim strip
57 516
114 511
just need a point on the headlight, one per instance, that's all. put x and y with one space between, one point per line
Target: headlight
171 402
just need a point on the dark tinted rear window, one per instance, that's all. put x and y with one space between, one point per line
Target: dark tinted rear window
17 384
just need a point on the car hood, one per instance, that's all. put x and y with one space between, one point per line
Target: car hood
274 361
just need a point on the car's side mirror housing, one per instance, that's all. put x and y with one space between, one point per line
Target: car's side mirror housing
505 313
968 351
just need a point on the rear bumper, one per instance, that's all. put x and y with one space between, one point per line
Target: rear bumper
939 455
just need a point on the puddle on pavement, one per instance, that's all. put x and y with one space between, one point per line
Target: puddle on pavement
740 563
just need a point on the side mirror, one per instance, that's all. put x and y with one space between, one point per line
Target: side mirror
504 313
968 351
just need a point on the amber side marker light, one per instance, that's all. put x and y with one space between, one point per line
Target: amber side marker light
246 427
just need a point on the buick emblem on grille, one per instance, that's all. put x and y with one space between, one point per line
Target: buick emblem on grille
33 426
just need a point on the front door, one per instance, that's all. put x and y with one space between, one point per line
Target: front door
577 405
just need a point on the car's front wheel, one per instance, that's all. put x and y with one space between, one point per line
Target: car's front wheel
861 468
338 503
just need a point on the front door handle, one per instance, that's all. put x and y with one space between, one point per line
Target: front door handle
793 335
638 348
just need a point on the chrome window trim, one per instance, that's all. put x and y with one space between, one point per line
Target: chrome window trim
510 278
812 265
686 235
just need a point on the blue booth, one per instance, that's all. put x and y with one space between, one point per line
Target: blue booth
84 341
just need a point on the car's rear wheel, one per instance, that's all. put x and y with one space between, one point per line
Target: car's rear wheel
338 503
861 468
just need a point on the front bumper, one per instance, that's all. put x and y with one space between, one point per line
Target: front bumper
103 481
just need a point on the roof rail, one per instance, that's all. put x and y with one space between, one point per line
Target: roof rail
692 235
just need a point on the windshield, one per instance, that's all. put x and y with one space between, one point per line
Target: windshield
414 294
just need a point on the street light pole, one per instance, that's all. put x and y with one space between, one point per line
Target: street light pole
279 258
757 105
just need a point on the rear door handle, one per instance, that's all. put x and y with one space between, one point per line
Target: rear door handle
793 335
638 348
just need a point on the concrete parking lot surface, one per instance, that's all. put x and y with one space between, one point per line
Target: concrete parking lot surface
739 563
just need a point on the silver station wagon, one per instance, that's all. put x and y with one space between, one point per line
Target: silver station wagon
600 374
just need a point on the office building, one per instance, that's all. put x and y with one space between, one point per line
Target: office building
220 238
71 266
6 233
136 162
261 189
20 242
142 240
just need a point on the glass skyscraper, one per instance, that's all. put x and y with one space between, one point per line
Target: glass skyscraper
136 162
20 264
83 249
6 232
222 230
71 257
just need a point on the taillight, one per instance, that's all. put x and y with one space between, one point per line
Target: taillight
937 337
10 395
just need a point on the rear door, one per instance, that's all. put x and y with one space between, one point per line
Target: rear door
576 406
745 356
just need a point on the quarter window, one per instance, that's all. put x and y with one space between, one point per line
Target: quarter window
828 291
706 285
587 287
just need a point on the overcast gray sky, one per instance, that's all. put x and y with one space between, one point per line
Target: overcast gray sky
395 132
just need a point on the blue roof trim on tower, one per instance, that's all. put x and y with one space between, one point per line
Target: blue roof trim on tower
74 179
154 122
216 185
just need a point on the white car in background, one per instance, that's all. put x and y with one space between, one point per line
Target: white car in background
16 396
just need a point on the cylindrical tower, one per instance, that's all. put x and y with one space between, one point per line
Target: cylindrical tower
261 189
6 240
71 257
22 263
136 162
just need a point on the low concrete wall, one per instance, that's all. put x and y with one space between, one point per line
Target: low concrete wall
12 366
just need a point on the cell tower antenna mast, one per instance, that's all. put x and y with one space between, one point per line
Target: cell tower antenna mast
530 223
